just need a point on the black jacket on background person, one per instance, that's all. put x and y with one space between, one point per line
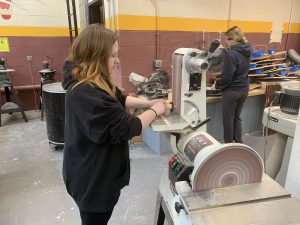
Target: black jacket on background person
96 154
235 71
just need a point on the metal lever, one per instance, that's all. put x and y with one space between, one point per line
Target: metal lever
201 123
214 45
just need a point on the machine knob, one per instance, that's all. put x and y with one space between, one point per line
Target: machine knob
193 54
204 66
178 207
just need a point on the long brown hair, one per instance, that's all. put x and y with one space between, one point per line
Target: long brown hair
90 53
236 34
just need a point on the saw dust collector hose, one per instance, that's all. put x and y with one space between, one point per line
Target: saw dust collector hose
274 161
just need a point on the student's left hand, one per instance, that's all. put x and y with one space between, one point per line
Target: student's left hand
213 87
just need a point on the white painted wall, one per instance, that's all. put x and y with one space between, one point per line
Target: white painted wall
82 16
111 11
255 10
38 13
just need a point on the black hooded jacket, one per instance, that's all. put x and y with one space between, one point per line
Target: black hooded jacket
96 154
235 69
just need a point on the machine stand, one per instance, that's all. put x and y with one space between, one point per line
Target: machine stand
161 212
10 107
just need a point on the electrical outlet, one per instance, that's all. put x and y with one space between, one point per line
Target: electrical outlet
157 63
29 58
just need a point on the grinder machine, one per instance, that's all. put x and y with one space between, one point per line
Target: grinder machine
208 182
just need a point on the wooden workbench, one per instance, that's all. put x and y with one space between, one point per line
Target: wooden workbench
254 92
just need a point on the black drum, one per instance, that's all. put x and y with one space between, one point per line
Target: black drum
54 106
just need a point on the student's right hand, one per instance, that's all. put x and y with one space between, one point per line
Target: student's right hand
150 103
159 107
213 87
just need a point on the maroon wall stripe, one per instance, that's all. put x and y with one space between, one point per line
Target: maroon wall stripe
138 48
39 48
137 52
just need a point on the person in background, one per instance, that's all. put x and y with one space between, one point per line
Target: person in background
234 83
96 163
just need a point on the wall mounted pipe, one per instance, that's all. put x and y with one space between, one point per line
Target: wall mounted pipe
154 2
25 87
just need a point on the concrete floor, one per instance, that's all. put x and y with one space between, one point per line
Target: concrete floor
31 187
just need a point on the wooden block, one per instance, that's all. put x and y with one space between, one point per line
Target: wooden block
167 112
169 105
132 94
169 95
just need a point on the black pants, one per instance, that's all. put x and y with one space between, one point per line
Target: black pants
233 102
90 218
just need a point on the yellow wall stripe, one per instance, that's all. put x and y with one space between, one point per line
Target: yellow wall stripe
252 26
133 22
130 22
294 28
34 31
191 24
112 22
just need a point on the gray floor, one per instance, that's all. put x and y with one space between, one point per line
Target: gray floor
31 187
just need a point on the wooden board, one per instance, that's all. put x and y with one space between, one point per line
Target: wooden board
254 86
268 60
279 53
276 78
258 75
274 70
262 57
265 56
266 66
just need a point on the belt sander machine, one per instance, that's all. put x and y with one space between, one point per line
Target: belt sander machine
208 182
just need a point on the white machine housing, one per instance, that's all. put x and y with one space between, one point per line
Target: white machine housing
189 67
189 85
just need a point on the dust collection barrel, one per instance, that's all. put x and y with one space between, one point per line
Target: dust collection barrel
54 106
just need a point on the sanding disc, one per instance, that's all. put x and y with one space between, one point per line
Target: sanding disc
226 165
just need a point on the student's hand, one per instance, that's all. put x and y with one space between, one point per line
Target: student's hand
150 103
213 87
159 107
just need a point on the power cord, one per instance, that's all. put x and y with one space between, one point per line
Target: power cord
267 129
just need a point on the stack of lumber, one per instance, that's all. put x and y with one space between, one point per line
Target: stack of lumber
271 66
